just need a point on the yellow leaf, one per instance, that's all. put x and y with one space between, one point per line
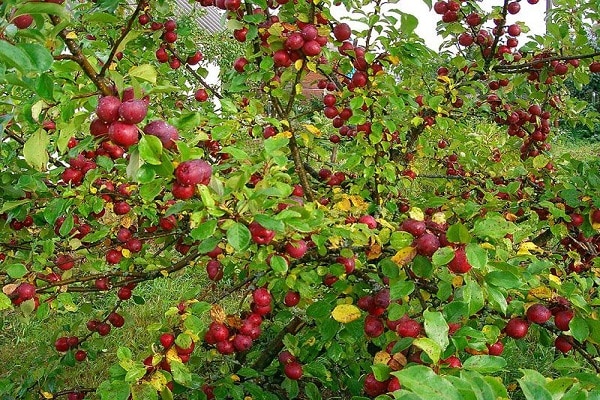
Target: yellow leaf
405 255
439 218
555 279
416 213
487 246
313 129
172 354
158 381
374 251
527 247
444 78
71 35
394 60
457 281
343 205
595 225
539 293
298 64
126 253
286 134
47 395
235 378
345 313
381 357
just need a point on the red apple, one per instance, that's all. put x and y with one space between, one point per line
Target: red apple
193 172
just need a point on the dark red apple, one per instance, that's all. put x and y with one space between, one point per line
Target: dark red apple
108 108
342 32
414 227
538 313
296 249
133 111
193 172
459 264
167 134
293 370
516 328
408 327
427 244
123 134
373 326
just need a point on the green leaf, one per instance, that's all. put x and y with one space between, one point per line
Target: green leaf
238 236
35 149
275 143
41 58
458 233
476 255
113 390
16 271
14 57
144 72
98 234
442 256
144 391
493 226
44 87
43 8
270 223
149 191
473 296
381 372
430 347
150 148
503 279
291 387
204 230
5 302
279 264
484 364
400 240
436 328
579 328
427 384
312 391
181 373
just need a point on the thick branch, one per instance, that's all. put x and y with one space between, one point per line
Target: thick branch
141 5
101 83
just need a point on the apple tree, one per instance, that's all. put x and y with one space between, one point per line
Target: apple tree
371 218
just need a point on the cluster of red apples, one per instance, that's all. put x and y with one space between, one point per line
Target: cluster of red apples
239 334
538 313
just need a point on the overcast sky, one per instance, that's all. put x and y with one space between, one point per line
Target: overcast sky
532 15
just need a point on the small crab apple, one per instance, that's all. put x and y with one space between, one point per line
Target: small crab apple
408 327
495 349
563 343
459 264
293 370
563 318
373 326
291 298
193 172
342 32
516 328
538 313
296 249
368 220
260 234
261 297
124 293
108 108
373 387
427 244
201 95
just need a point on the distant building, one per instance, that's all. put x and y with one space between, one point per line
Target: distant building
212 21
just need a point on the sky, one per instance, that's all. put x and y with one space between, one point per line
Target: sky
531 15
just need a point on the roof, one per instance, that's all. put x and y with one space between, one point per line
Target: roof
211 20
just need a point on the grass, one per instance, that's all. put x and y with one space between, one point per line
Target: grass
27 346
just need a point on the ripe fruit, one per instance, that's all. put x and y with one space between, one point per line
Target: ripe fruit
373 326
26 291
459 264
296 249
116 319
108 108
167 340
201 95
261 297
114 256
291 298
193 172
414 227
167 134
123 134
133 111
513 7
595 67
240 64
214 270
368 220
342 32
260 235
495 349
538 313
563 343
23 21
293 370
80 355
61 344
103 329
440 7
514 30
408 327
373 387
183 192
516 328
562 319
427 244
242 342
124 293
